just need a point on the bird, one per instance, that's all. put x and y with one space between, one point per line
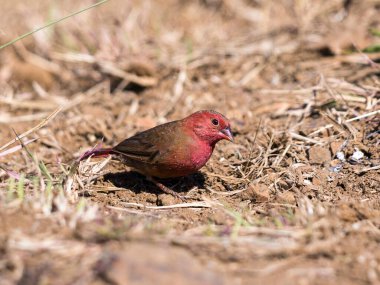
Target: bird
174 149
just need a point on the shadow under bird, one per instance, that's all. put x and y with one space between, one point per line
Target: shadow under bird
173 149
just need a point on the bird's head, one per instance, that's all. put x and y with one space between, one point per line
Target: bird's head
210 126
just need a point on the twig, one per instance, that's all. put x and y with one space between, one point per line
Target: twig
177 91
290 91
277 162
106 189
131 211
15 148
225 193
329 126
37 127
251 149
302 138
35 104
7 119
180 205
368 169
230 179
107 67
283 205
111 68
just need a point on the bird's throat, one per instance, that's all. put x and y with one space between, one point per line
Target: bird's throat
201 155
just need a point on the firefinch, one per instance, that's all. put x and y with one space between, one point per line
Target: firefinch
174 149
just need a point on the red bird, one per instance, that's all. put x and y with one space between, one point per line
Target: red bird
174 149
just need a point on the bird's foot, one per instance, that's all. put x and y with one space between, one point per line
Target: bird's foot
167 190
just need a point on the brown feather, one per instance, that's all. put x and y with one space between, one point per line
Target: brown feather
149 146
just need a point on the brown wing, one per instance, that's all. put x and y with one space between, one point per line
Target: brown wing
150 145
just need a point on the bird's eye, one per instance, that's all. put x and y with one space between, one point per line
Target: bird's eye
215 122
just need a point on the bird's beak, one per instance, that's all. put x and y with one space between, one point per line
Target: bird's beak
227 134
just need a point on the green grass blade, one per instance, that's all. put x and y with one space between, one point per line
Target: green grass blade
21 188
45 171
52 23
11 189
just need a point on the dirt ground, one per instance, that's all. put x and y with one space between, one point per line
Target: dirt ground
293 200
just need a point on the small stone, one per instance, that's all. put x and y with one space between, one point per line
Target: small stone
320 178
335 163
256 192
166 200
340 156
336 168
319 155
356 156
336 146
287 197
151 198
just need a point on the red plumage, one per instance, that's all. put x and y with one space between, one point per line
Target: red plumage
173 149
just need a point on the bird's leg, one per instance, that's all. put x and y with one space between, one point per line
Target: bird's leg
165 189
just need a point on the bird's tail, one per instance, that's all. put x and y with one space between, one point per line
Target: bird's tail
96 152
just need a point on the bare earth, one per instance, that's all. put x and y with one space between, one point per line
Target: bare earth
294 200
